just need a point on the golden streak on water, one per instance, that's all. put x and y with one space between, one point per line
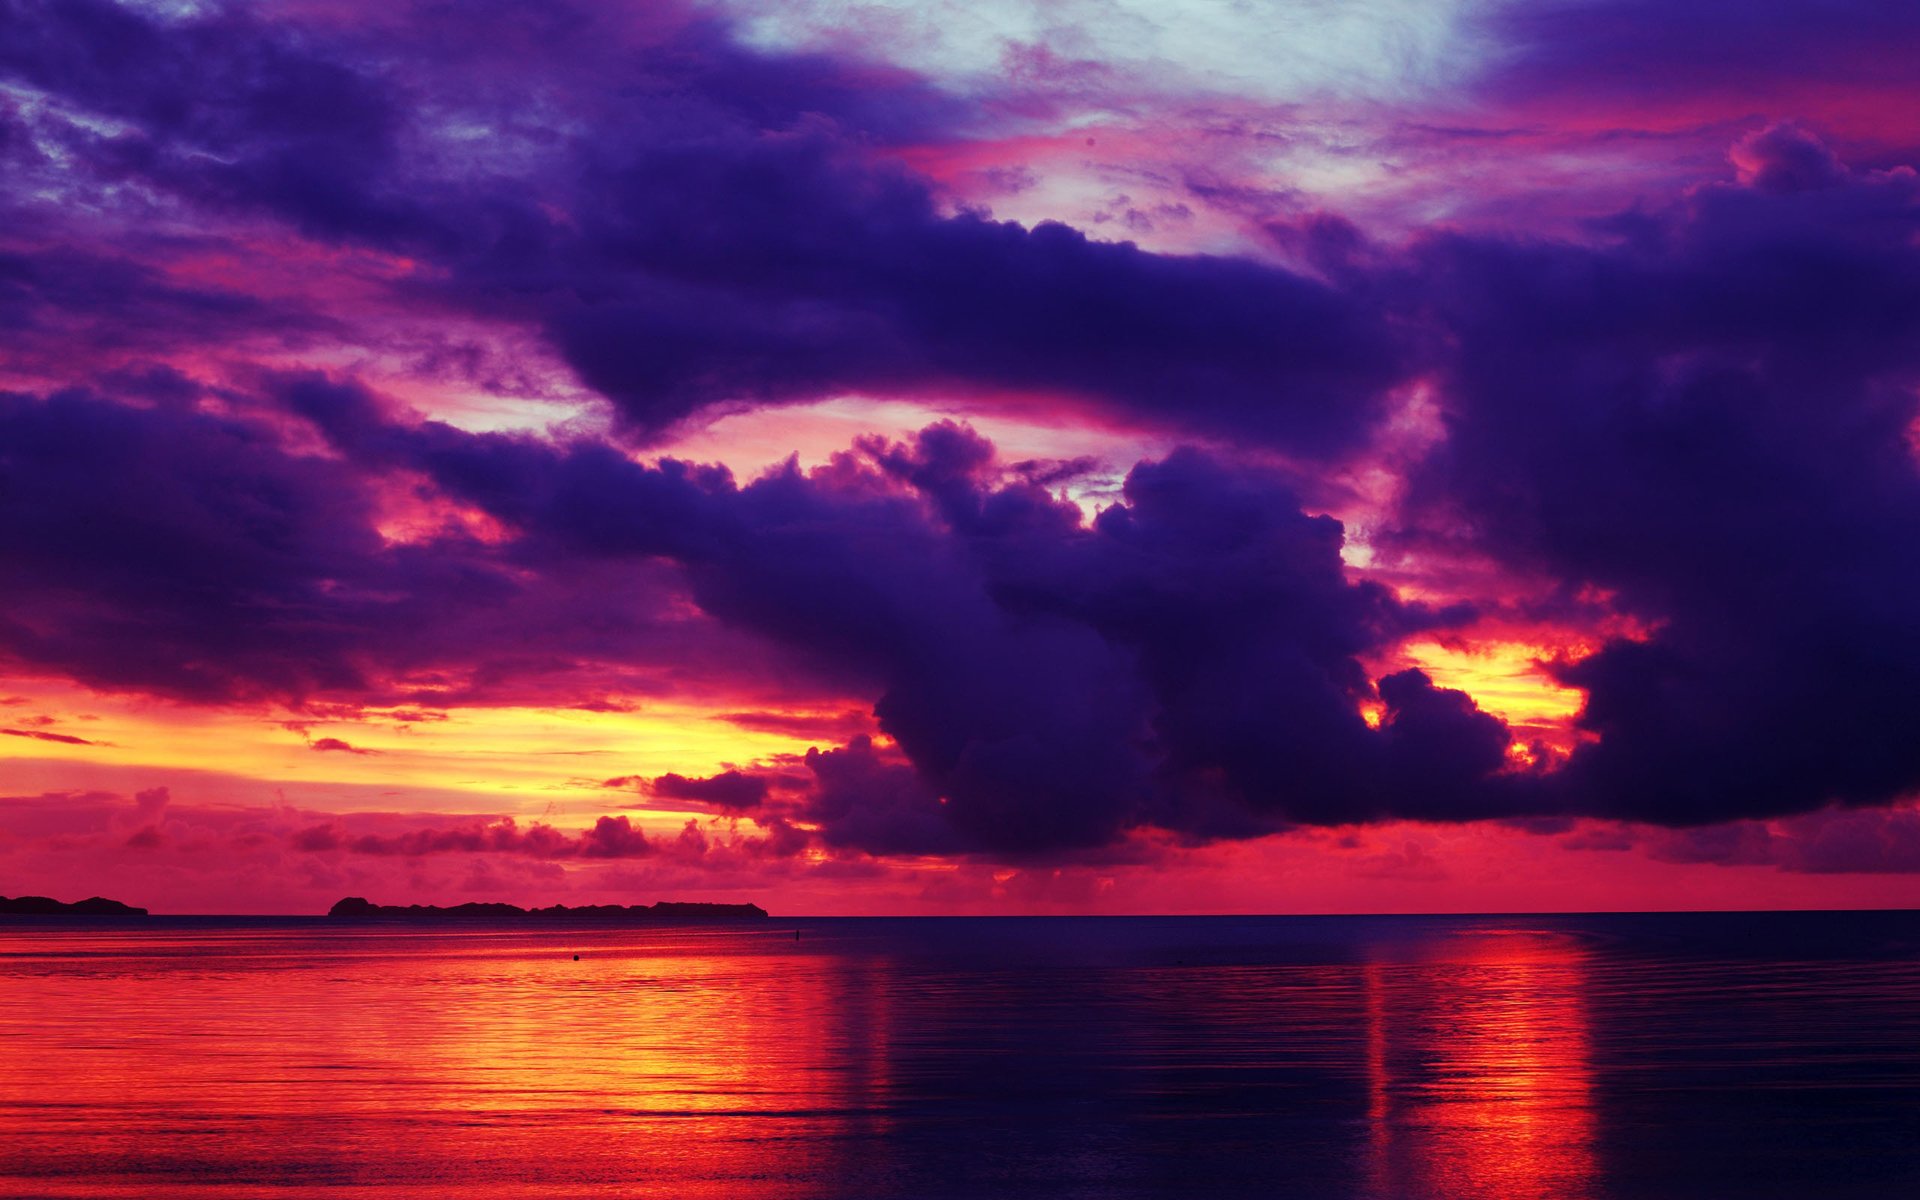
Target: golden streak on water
1479 1078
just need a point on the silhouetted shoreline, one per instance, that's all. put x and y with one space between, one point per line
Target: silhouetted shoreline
355 908
42 906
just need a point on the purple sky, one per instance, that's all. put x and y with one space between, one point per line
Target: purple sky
961 457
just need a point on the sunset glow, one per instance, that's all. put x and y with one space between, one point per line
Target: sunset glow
961 458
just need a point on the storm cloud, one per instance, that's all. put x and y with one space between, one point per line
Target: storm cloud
1710 416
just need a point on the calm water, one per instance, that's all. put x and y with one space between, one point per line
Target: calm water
1511 1057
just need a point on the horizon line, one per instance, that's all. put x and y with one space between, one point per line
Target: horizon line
6 918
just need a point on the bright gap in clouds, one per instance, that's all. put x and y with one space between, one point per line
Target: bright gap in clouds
751 441
532 762
1172 125
1360 49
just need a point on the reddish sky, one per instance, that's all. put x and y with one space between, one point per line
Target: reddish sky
1092 457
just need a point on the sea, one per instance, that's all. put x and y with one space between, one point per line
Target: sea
1381 1057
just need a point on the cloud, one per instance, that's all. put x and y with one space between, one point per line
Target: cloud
501 836
722 232
1831 841
151 803
147 837
834 726
610 837
131 565
1706 418
1786 158
1052 683
727 790
1642 54
221 107
49 736
614 837
330 743
199 556
876 803
60 301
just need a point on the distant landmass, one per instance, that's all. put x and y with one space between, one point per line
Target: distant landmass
353 908
93 906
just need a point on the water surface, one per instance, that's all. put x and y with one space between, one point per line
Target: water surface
1382 1057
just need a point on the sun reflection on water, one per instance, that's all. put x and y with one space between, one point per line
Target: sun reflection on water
1479 1071
494 1065
1318 1059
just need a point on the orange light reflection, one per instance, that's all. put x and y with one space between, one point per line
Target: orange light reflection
684 1063
1479 1071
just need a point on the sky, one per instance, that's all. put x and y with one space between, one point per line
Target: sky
1088 456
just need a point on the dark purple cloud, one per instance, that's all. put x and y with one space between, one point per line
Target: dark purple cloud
727 790
1661 56
177 552
1190 659
166 549
843 277
223 109
58 303
875 803
693 225
1710 417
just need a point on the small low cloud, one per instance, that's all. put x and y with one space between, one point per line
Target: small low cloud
610 837
1834 841
47 736
836 727
335 744
730 789
147 837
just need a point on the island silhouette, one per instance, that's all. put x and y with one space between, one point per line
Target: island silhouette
43 906
355 908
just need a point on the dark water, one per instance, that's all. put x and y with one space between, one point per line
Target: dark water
1512 1057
